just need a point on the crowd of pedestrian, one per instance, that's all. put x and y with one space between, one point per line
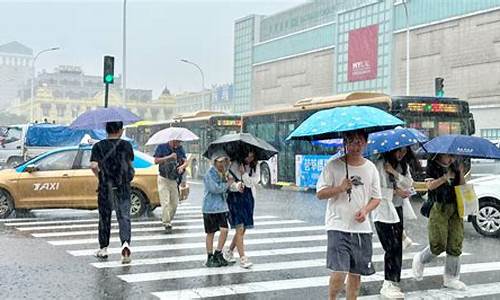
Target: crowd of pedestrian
357 190
383 188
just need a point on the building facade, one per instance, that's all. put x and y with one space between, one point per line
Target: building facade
326 47
48 107
15 70
70 82
219 98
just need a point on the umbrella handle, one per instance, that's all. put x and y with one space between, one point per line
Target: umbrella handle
347 169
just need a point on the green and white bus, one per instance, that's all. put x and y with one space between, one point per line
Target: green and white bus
299 162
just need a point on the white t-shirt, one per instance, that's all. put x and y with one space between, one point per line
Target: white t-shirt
340 212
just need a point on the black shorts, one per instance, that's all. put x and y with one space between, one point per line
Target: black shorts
350 253
213 222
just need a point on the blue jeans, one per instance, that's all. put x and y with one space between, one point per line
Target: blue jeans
119 199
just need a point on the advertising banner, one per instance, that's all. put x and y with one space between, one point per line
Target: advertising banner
362 54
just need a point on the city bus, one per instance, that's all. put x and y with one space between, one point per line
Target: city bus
207 125
300 162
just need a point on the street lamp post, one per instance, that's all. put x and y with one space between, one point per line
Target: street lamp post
32 101
124 62
407 48
202 81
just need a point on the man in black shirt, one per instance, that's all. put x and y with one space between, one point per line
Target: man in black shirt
111 162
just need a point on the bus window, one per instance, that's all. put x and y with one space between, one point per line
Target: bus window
267 132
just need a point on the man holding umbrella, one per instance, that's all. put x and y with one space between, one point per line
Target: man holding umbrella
111 161
171 157
351 185
350 201
173 162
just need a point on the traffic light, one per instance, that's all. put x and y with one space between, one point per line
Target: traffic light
439 86
109 67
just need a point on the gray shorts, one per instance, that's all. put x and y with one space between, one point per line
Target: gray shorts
350 252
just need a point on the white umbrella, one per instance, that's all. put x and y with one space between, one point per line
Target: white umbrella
172 134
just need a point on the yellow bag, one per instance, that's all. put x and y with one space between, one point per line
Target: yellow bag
183 192
467 201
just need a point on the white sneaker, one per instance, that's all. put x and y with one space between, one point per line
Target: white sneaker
245 263
391 291
454 283
229 255
407 243
418 267
126 253
102 253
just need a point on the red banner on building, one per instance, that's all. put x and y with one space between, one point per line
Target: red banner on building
363 54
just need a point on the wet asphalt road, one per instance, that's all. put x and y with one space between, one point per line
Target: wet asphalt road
52 260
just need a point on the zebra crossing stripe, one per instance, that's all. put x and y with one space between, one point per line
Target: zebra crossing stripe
151 229
186 235
114 223
310 282
153 248
6 221
477 290
235 269
188 273
202 257
258 253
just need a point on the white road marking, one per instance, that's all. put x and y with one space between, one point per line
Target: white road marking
186 235
153 248
151 229
310 282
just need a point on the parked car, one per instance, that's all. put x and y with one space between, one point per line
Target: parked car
487 221
62 178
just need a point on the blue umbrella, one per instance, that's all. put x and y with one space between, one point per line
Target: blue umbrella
463 145
384 141
97 119
388 140
333 123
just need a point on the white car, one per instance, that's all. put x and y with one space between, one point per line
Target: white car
487 221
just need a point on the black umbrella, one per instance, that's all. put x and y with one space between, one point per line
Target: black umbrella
238 145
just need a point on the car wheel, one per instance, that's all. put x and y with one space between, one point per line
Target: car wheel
137 203
487 221
6 204
265 176
14 162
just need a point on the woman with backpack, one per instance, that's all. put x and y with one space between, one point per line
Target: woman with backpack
241 204
446 227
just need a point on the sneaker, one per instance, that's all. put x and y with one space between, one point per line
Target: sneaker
229 255
102 253
391 291
126 253
168 228
418 267
454 283
407 243
219 258
245 263
211 263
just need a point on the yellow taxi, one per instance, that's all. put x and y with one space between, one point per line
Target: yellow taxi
62 178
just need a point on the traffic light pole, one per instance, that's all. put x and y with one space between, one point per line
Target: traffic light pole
106 92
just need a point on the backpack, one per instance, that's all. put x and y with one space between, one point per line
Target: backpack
168 170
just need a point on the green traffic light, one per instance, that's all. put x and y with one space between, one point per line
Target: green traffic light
108 78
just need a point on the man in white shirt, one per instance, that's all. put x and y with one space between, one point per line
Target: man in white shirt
350 201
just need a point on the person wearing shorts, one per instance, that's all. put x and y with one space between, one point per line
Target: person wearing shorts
215 210
350 200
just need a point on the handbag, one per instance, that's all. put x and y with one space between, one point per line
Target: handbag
467 202
425 210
